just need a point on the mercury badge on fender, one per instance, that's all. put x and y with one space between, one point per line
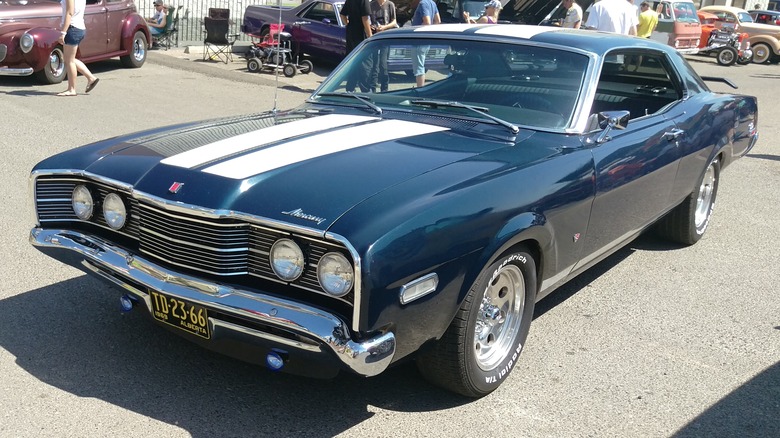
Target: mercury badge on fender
365 228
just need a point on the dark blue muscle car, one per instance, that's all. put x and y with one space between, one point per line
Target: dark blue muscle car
423 221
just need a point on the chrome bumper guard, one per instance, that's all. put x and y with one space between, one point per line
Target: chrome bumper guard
4 71
367 358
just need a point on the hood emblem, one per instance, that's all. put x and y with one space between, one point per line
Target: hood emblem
300 214
175 187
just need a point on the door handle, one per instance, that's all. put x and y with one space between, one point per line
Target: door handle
673 134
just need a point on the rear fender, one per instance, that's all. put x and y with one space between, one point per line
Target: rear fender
134 23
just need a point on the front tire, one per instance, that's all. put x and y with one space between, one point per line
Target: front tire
289 70
483 343
253 65
688 221
727 56
306 66
54 70
137 56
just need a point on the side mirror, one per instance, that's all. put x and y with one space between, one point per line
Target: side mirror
609 120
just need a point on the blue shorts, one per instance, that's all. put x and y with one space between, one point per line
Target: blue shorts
418 60
156 31
74 36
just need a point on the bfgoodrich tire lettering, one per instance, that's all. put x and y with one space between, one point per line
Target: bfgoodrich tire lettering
689 220
486 337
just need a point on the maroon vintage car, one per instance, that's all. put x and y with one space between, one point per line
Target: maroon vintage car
30 30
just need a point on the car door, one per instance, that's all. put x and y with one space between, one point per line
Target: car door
635 167
95 41
116 12
318 31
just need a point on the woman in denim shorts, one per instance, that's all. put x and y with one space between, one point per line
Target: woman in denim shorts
73 31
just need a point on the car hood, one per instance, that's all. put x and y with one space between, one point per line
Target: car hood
22 10
297 168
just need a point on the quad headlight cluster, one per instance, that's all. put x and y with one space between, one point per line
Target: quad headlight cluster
114 209
334 271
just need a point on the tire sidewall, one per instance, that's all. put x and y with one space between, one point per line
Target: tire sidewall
46 75
698 232
486 381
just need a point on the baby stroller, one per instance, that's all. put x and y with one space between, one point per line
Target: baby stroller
274 52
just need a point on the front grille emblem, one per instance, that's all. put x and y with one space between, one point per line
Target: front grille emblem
175 187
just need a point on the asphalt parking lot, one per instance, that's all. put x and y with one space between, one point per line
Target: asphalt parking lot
655 341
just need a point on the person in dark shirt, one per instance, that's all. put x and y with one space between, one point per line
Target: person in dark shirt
357 15
382 18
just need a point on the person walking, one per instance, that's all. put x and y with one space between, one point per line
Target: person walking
616 16
492 9
573 18
383 17
426 14
648 20
72 32
357 15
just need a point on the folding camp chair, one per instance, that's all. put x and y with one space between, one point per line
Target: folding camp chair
218 44
170 35
219 13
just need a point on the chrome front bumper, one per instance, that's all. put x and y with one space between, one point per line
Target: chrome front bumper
311 332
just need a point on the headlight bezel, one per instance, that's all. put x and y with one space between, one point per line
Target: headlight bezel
298 266
89 207
26 42
326 283
112 217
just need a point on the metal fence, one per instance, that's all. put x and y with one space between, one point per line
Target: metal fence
192 12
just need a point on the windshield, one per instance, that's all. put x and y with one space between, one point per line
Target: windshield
518 84
685 12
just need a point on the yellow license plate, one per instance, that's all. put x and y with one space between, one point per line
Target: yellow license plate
181 314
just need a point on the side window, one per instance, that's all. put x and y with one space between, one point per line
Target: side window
321 11
639 82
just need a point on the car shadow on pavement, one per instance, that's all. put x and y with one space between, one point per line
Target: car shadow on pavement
752 410
71 335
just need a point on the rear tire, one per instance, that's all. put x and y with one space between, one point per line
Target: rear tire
306 66
254 65
137 56
54 70
688 221
483 343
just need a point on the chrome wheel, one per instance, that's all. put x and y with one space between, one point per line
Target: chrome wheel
56 63
136 53
705 198
499 317
139 50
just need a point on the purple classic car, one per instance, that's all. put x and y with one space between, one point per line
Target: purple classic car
30 30
315 26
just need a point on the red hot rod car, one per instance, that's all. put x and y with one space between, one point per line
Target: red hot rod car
30 30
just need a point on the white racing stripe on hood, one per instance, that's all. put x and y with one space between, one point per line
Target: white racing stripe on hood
249 140
318 145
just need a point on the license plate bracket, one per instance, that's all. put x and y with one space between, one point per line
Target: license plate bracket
182 314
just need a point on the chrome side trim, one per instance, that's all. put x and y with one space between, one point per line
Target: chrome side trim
367 358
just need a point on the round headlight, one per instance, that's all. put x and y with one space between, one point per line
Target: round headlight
114 211
286 259
82 202
335 274
26 42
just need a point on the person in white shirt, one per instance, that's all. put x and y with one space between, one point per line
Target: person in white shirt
73 30
573 18
613 16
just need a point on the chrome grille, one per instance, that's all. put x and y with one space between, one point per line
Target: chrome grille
214 246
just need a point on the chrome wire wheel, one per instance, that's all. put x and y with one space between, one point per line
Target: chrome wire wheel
499 318
705 197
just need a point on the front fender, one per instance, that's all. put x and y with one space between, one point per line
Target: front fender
45 40
768 40
134 23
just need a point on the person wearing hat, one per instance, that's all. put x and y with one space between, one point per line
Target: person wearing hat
492 8
158 21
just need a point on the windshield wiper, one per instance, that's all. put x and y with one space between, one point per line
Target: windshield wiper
365 100
477 109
